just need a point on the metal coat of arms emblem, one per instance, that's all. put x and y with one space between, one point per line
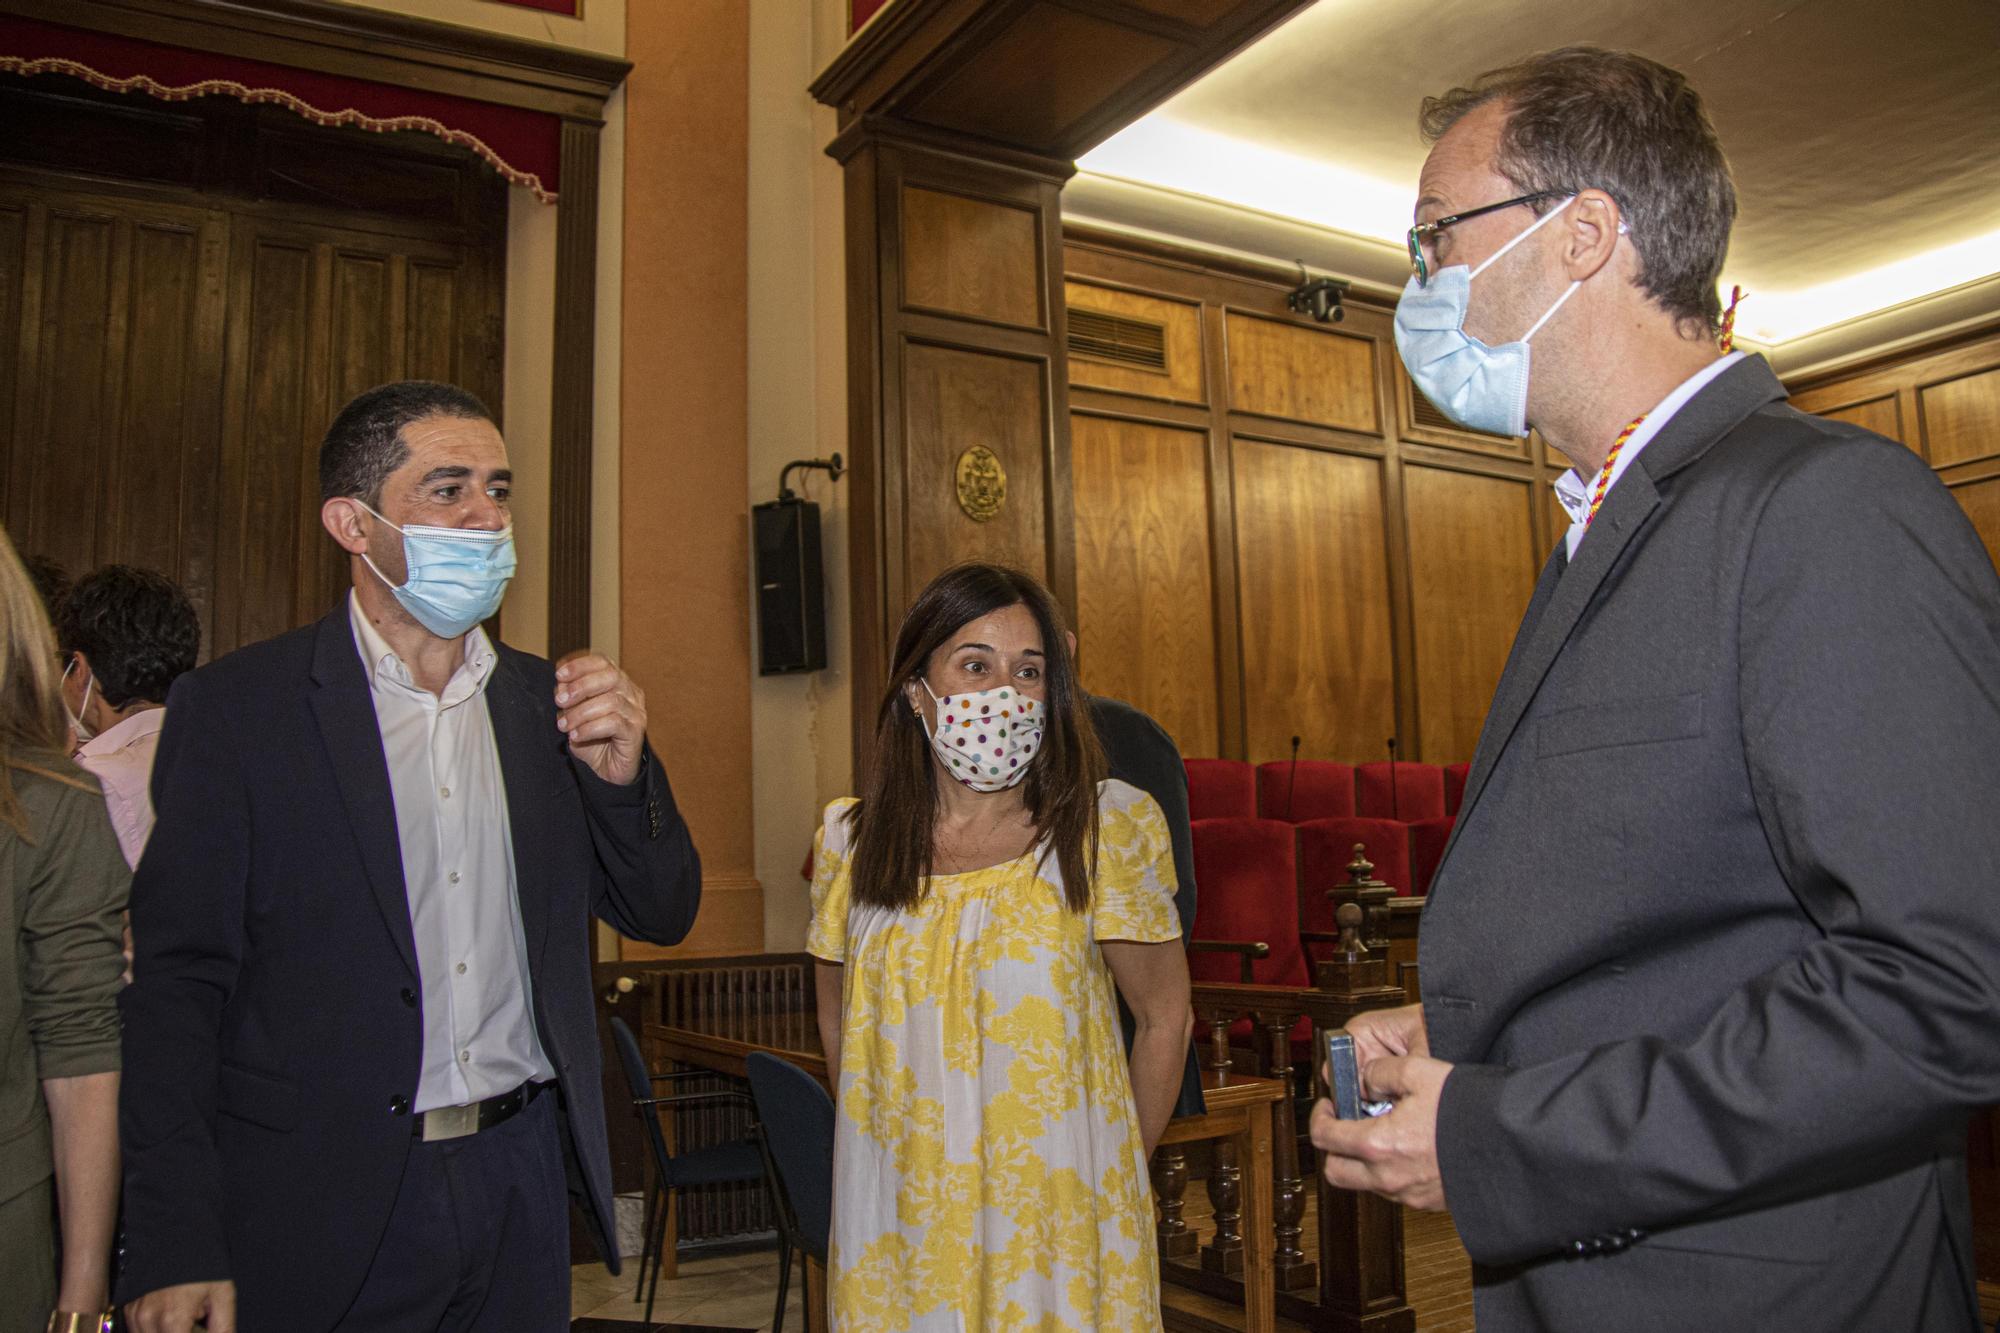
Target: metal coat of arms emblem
982 484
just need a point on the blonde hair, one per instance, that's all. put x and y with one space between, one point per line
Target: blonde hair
34 729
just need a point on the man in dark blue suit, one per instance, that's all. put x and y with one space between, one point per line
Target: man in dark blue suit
361 1060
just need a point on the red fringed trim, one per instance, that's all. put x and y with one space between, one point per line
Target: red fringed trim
347 117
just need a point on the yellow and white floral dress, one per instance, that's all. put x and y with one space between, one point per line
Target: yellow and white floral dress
987 1169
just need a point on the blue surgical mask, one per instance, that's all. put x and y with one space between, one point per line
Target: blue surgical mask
457 576
1479 387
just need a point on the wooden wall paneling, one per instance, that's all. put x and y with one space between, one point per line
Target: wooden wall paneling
1961 417
277 293
1473 567
927 383
58 465
974 258
14 222
1981 499
1145 607
1882 415
1184 380
953 399
1317 658
1299 372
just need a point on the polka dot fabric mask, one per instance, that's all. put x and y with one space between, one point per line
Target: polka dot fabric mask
986 739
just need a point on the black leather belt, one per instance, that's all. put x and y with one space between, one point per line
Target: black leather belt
456 1122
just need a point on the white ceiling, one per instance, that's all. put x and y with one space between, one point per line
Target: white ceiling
1864 136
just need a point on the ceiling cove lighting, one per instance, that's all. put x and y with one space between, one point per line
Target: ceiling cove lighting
1159 151
1778 317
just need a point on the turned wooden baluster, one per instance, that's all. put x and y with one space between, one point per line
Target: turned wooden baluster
1224 1251
1170 1178
1291 1270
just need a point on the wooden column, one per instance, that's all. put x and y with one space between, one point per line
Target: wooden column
955 342
572 389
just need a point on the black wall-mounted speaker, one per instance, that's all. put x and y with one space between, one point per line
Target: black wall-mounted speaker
791 592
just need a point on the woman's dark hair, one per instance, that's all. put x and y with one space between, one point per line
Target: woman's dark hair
138 629
895 821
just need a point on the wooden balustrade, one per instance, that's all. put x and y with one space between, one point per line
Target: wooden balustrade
1357 1282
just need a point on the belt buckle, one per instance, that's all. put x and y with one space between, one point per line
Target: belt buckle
451 1122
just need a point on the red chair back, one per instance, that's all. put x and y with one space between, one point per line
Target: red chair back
1325 848
1454 786
1221 789
1248 875
1419 792
1322 790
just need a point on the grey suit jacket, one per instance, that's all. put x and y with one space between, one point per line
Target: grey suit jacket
1716 946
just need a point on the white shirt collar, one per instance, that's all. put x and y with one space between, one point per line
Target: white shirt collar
380 661
1573 492
134 728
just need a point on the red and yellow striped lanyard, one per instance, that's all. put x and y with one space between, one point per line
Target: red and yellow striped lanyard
1610 461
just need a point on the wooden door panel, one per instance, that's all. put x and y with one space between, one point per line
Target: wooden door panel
1314 582
1472 571
431 342
1145 605
13 278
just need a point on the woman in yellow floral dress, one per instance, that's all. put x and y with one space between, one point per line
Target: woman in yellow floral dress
972 915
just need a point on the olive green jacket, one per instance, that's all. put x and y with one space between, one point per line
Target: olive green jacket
62 894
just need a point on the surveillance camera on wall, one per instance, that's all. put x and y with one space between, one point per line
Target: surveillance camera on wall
1318 297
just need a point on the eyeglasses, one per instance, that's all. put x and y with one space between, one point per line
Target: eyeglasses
1423 231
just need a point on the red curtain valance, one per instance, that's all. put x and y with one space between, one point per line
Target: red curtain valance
523 146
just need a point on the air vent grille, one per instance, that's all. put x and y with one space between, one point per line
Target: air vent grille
1135 343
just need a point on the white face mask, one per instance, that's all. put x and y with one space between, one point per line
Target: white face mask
83 731
985 739
1480 387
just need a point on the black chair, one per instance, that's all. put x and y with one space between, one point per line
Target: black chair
736 1162
798 1139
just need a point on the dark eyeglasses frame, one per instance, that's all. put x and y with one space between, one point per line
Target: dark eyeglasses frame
1417 234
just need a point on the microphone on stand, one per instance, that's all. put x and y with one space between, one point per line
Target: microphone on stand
1394 811
1293 783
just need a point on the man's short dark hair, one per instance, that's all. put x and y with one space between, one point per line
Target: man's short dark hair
51 581
138 629
1583 117
364 444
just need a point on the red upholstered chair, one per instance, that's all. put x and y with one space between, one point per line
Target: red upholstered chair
1427 840
1323 790
1248 873
1221 789
1419 792
1325 848
1454 786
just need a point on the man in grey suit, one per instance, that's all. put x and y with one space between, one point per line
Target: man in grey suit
1712 966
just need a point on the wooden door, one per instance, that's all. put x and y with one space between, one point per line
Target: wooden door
111 320
167 370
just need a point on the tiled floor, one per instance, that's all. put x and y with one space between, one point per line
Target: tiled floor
732 1291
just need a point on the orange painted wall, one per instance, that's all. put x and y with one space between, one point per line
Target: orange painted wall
683 510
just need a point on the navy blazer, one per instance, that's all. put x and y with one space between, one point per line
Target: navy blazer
1714 948
273 1035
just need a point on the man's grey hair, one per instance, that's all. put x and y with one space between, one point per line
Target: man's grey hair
1582 117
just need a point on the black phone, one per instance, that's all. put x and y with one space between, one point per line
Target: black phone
1343 1079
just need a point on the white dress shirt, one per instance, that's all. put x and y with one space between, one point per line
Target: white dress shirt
121 759
458 868
1573 492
